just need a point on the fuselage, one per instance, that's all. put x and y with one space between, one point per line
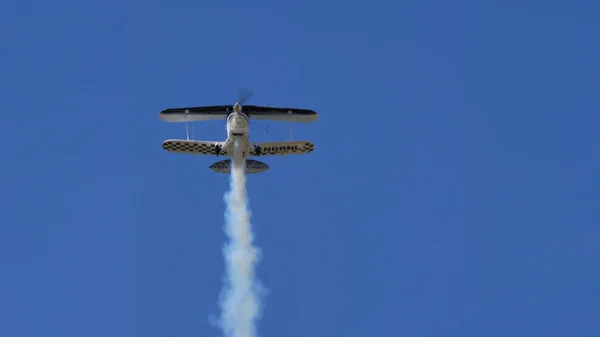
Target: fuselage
237 126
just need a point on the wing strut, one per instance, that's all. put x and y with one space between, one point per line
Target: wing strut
187 134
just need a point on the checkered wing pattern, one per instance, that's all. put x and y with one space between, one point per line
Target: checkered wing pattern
192 147
283 148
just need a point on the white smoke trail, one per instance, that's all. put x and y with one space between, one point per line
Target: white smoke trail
240 301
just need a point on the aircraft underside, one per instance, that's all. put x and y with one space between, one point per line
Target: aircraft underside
244 145
237 126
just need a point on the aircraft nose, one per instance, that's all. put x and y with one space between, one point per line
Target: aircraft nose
239 120
237 107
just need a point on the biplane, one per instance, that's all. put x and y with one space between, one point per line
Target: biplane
238 132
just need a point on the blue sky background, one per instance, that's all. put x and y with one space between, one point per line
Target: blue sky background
453 190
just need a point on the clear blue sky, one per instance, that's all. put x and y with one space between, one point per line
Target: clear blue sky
454 189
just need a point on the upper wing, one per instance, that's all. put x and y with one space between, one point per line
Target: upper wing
199 113
193 147
279 114
283 148
205 113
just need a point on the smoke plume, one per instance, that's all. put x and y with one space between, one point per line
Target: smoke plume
240 302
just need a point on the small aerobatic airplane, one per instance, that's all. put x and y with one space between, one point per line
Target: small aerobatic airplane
238 120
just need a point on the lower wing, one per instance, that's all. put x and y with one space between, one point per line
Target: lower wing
215 148
194 147
282 148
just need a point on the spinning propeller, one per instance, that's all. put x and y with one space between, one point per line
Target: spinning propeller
244 95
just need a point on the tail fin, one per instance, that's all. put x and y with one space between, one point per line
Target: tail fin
252 166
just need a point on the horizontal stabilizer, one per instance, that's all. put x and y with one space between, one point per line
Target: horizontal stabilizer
252 166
